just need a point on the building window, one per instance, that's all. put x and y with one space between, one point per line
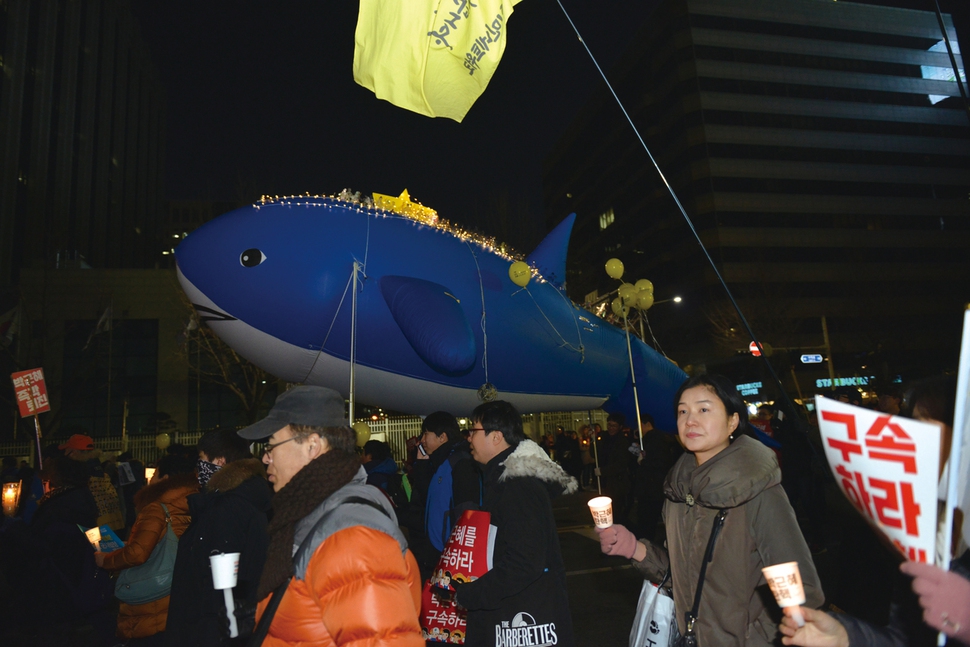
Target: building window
606 219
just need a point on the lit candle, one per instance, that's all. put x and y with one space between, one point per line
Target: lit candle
149 474
11 495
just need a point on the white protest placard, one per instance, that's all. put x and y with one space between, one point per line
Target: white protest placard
889 468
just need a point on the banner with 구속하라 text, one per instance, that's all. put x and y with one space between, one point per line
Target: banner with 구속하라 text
889 468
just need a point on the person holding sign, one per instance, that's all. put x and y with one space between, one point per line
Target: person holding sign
522 599
725 475
935 600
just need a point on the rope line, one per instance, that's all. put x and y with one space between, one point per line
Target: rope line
683 212
481 288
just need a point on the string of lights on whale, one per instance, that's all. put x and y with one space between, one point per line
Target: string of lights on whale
440 325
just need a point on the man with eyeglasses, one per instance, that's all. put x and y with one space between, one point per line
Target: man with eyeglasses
522 599
337 567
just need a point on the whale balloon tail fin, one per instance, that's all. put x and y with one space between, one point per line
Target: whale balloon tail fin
549 256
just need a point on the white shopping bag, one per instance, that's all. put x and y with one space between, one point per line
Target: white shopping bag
655 624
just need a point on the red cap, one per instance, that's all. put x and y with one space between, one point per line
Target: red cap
79 442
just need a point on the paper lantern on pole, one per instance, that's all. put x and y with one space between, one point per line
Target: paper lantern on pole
163 440
644 300
362 429
614 267
644 284
11 497
520 273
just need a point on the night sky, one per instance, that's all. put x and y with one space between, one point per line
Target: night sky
261 100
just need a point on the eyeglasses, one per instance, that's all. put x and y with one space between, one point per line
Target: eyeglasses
471 432
269 447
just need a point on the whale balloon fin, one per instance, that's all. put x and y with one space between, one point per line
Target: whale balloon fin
432 321
549 257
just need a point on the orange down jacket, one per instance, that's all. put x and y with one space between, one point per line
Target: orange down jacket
359 589
142 620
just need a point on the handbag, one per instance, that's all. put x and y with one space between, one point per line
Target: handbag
655 624
689 639
152 580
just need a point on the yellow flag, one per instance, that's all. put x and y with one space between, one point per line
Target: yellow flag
433 57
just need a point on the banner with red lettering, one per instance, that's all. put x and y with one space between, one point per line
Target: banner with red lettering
466 557
889 468
31 392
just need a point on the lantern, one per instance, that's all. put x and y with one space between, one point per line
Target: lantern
11 497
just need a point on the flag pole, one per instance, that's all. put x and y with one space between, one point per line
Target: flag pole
40 454
353 340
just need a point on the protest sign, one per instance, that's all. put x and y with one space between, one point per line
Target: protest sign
466 557
30 391
889 468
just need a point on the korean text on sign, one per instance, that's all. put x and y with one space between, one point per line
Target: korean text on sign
30 391
888 467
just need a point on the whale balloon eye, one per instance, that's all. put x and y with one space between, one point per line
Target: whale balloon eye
251 257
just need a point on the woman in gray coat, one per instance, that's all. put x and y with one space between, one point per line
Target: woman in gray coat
724 469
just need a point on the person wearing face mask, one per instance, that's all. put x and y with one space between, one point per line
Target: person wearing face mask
229 515
724 474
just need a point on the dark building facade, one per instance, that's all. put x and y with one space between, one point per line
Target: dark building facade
823 154
81 138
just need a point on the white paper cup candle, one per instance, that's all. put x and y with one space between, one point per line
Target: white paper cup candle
225 571
602 510
785 583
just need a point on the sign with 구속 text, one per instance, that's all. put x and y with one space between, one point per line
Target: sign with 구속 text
888 467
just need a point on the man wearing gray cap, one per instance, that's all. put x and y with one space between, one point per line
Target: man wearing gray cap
337 568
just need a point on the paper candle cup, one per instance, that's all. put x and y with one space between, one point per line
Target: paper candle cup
225 570
602 510
785 583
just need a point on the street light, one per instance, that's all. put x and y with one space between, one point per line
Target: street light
675 300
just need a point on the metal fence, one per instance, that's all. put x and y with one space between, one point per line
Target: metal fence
395 431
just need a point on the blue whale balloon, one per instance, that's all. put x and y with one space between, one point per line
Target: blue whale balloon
438 319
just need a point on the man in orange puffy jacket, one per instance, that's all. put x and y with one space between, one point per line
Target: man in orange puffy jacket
337 564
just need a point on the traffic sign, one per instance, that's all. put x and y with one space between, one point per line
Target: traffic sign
753 347
811 359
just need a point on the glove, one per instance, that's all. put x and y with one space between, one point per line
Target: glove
617 540
945 598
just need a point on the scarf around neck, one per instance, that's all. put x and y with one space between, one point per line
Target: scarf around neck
308 488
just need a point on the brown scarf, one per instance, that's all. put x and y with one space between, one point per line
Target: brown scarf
306 490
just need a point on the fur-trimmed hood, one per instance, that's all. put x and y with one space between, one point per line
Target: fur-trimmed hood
234 474
167 490
528 459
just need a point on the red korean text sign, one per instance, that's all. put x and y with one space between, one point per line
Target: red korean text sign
31 392
466 557
888 467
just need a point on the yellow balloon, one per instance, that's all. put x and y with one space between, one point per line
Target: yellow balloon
644 300
644 284
163 440
619 309
520 273
626 290
363 432
614 267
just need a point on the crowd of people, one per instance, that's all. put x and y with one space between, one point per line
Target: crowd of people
335 541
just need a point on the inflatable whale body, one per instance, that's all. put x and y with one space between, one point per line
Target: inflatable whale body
438 317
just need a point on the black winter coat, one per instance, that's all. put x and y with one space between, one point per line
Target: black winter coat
229 517
525 592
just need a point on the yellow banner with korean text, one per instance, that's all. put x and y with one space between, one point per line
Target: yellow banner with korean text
433 57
